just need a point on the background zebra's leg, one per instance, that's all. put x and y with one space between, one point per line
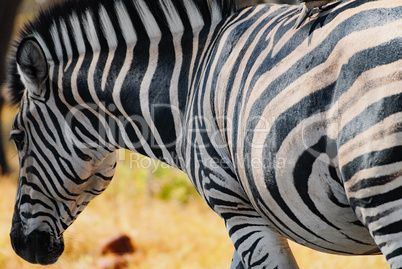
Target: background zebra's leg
236 262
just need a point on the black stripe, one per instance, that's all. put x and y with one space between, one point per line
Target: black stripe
372 115
374 181
370 160
379 215
159 106
251 250
392 228
82 155
260 261
335 200
236 228
377 200
37 215
244 238
27 199
395 253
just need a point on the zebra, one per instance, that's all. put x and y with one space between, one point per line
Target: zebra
285 133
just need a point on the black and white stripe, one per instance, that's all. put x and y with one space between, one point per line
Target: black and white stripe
287 134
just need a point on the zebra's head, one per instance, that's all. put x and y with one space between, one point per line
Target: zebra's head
63 162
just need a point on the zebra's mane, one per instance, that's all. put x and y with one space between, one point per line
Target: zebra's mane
105 24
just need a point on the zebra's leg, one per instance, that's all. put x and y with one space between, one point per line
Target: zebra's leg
373 184
256 244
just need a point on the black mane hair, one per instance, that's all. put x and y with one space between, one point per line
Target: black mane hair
63 11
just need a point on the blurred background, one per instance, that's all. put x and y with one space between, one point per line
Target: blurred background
149 217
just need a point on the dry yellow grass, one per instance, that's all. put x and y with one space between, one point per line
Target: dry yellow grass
170 225
166 233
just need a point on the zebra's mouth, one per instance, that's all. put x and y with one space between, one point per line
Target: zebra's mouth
38 247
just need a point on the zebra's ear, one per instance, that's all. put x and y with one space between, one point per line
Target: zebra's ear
32 64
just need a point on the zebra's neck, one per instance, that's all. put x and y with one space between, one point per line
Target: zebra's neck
132 63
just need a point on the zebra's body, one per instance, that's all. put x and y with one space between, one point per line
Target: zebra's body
285 133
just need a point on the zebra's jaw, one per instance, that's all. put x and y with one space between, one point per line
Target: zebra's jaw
38 247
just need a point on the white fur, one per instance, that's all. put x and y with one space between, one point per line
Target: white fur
28 83
90 31
77 33
172 17
194 14
107 28
216 14
150 24
56 40
66 41
125 23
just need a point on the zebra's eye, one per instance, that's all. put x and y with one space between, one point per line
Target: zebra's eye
18 138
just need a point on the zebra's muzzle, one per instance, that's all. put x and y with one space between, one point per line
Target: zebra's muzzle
38 247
